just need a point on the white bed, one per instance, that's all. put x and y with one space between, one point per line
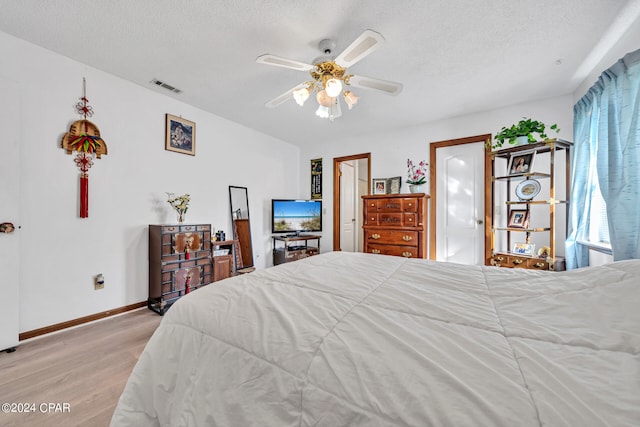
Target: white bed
344 339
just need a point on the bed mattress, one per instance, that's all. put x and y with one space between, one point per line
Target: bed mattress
352 339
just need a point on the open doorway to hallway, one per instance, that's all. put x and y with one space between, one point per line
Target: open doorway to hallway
351 178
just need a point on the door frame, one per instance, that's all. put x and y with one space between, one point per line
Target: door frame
337 161
433 146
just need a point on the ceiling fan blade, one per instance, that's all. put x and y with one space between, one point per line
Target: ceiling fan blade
391 88
366 43
281 99
283 62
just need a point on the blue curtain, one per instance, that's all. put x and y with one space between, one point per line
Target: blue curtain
607 139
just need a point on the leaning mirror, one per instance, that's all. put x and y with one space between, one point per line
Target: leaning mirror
239 203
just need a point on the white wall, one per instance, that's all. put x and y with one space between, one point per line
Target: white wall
60 252
623 37
389 152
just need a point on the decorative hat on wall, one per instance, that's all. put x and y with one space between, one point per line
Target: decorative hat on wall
84 139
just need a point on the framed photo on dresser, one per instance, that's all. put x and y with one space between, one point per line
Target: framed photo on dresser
394 184
379 185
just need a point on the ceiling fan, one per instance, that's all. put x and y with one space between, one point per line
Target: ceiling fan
329 73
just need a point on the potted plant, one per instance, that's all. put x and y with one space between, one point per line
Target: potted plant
524 131
417 176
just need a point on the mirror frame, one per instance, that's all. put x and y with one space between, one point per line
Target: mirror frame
233 211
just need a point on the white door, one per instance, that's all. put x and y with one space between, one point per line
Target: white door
460 203
9 212
347 207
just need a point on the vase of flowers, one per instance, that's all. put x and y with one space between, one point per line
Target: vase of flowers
180 204
417 176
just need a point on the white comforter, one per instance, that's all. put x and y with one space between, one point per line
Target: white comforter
346 339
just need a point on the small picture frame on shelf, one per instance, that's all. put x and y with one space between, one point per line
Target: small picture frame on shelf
380 185
518 218
525 249
521 163
394 184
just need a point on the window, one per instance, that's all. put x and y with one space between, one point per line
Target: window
605 163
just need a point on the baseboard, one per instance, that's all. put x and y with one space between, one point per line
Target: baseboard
79 321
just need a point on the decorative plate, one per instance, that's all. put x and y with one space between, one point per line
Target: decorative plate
528 189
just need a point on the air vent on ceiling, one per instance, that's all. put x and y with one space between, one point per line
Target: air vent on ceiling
166 86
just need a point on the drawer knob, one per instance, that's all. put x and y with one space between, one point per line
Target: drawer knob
499 258
375 251
410 219
375 236
518 261
407 238
407 254
539 264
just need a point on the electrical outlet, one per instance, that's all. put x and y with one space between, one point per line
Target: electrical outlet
98 282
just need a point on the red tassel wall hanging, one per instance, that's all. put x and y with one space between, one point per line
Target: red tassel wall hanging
84 138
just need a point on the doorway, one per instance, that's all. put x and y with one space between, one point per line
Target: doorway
459 200
351 178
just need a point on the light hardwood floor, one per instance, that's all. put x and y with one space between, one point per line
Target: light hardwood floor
83 369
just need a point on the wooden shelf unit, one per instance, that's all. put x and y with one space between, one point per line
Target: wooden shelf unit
502 235
290 248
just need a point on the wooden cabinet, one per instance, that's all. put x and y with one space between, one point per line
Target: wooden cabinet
396 224
530 205
288 249
222 255
179 262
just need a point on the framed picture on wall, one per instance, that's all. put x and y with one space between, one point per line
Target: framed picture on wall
379 185
180 135
316 179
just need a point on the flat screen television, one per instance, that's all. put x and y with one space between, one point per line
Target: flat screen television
296 216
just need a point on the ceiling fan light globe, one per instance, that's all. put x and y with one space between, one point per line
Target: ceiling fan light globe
324 99
350 98
301 95
333 87
322 112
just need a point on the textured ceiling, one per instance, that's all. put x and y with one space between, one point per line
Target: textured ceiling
453 57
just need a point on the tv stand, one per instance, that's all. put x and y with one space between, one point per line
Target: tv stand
294 247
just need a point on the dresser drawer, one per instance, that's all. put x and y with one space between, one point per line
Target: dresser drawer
397 219
538 264
389 205
395 250
514 261
393 237
392 205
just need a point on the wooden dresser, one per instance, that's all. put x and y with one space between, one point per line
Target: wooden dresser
396 224
179 255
